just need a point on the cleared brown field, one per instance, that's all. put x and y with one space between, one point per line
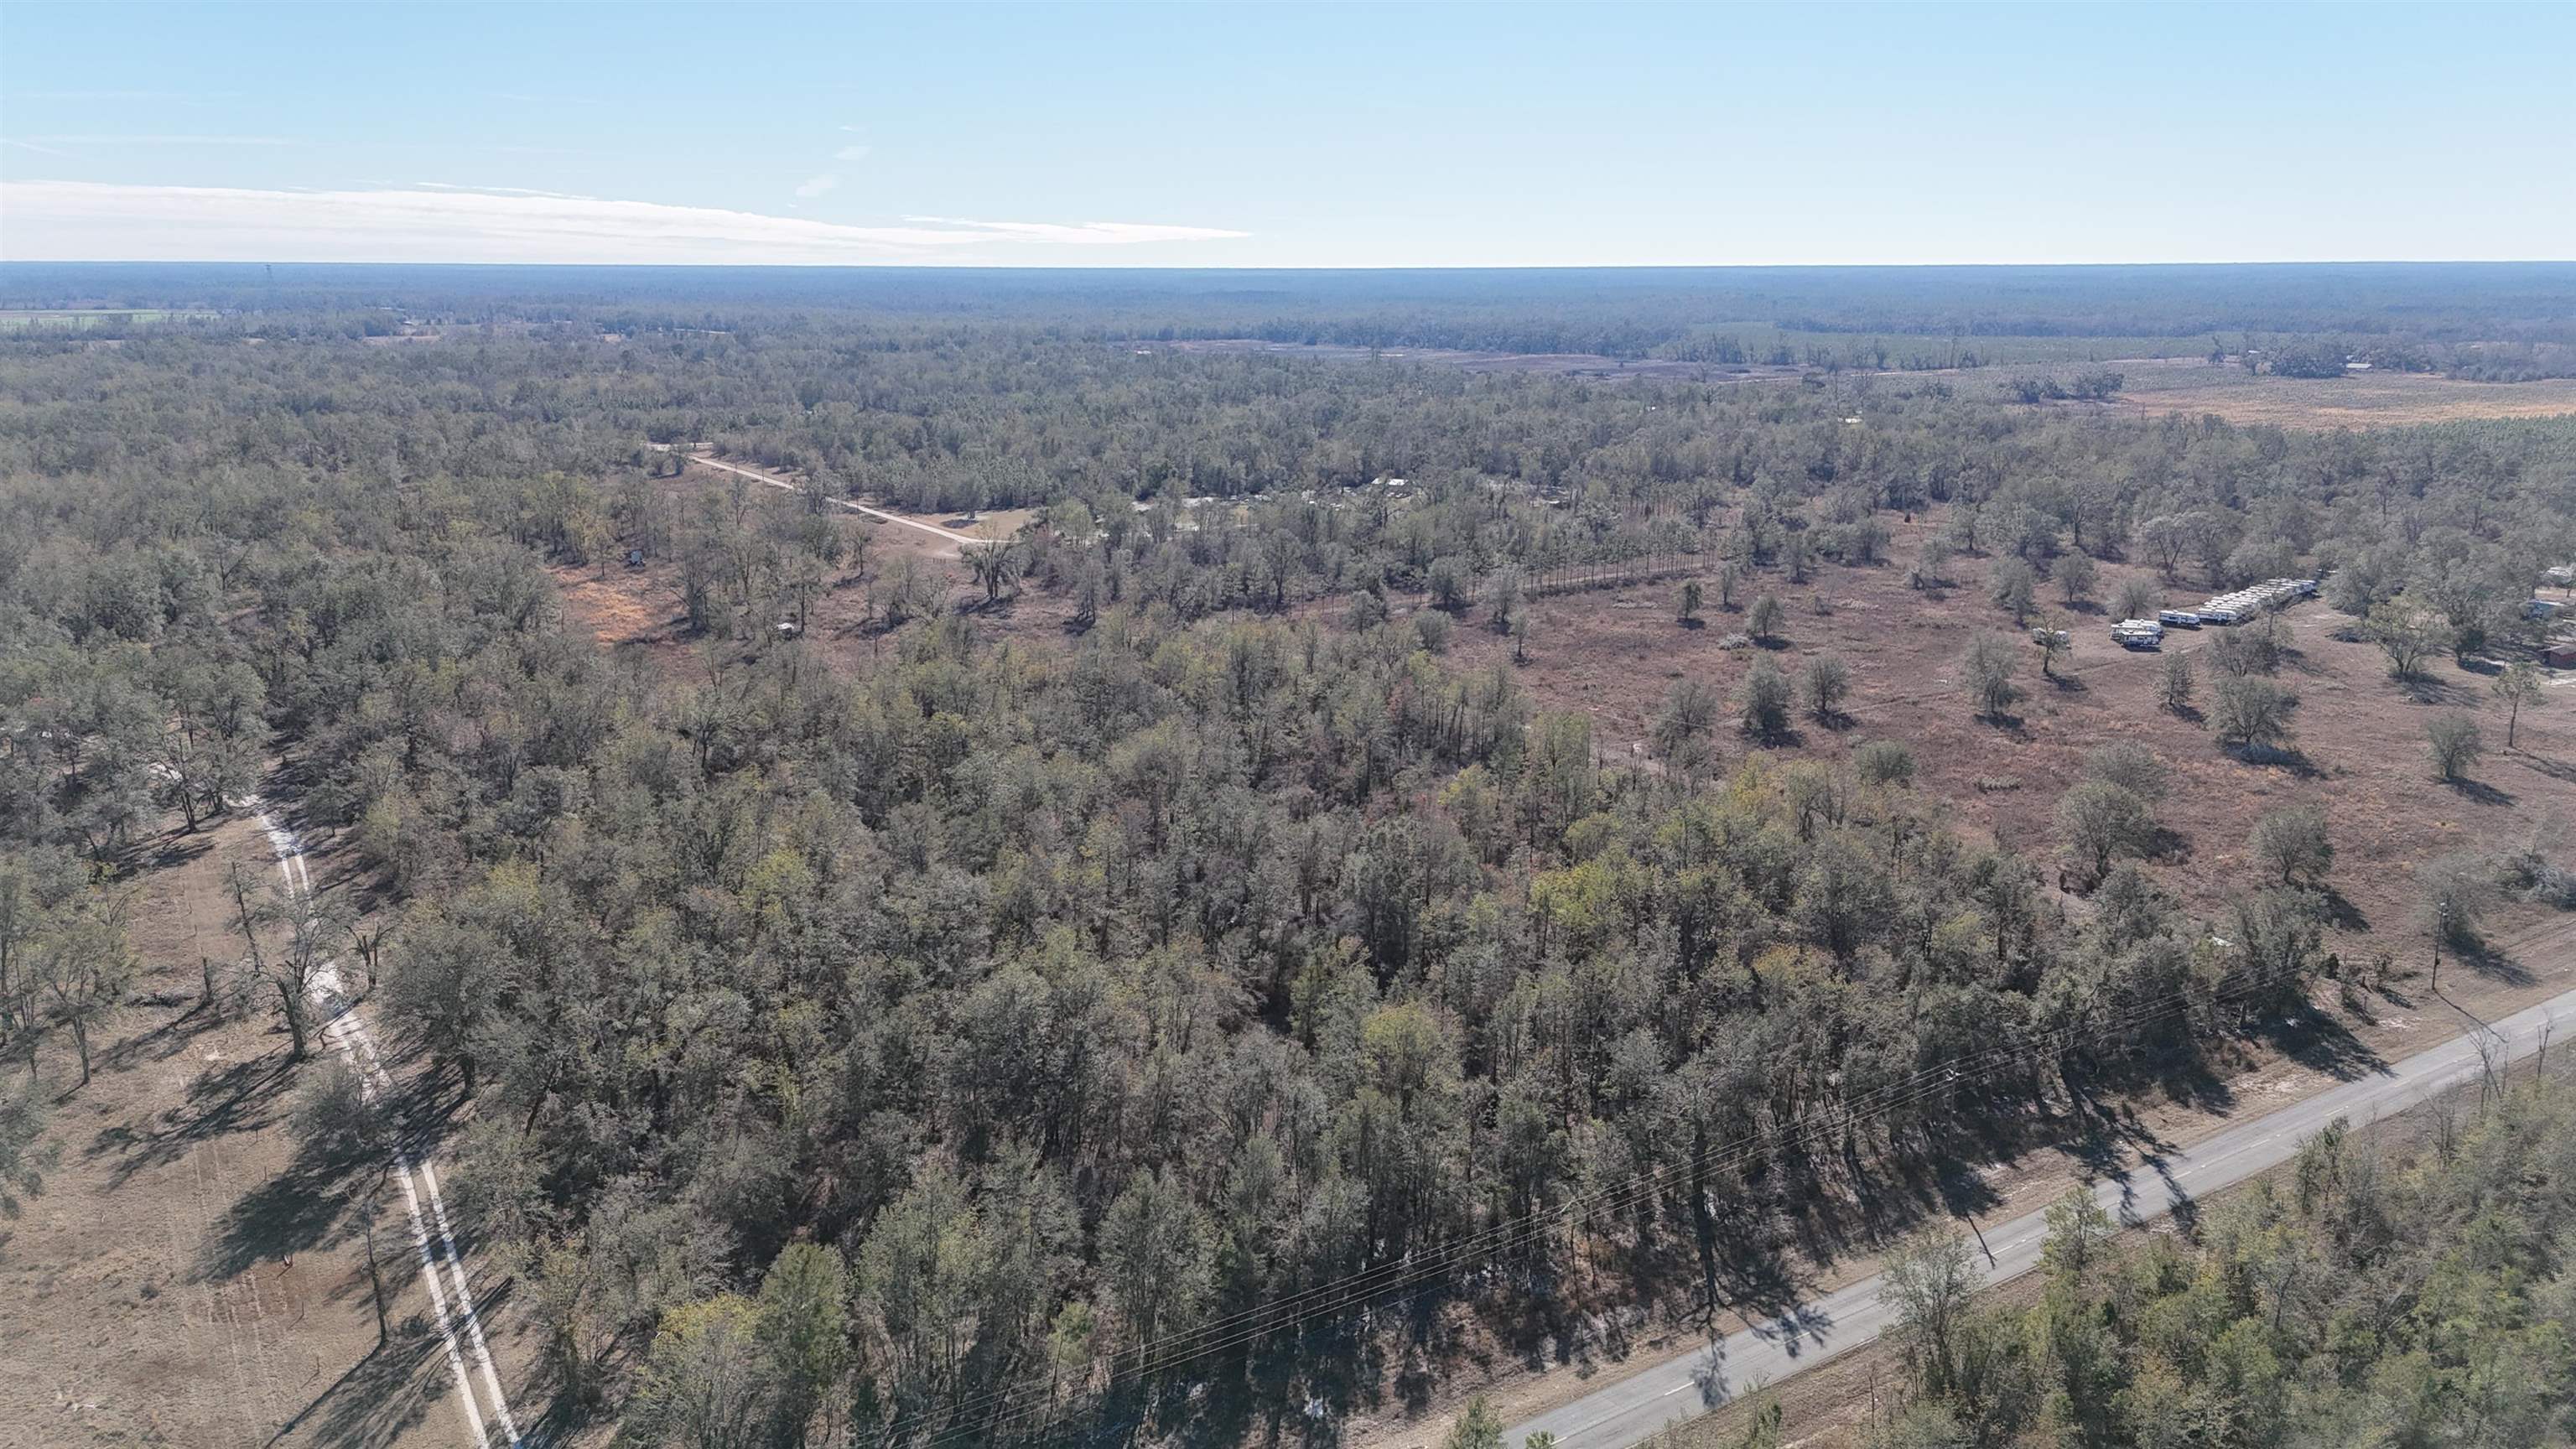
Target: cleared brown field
640 609
2361 400
190 1276
1552 364
1616 654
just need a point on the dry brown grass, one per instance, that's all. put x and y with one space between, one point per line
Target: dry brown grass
619 605
189 1276
1616 654
2362 400
640 609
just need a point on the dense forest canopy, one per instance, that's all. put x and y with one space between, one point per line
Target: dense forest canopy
2360 1302
1621 312
961 1046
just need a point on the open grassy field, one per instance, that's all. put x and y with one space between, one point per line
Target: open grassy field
84 317
2360 400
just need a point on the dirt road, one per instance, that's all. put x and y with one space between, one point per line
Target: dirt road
774 481
460 1327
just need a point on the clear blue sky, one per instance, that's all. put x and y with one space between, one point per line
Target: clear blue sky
1238 135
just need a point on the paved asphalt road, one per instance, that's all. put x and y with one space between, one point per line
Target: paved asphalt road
1691 1384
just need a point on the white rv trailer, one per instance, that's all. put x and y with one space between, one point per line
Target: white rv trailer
2138 634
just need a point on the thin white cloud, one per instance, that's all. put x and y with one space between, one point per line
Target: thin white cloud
31 146
185 97
852 153
97 221
555 99
1089 233
500 190
174 140
815 186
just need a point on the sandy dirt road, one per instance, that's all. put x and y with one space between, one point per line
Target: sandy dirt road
487 1417
774 481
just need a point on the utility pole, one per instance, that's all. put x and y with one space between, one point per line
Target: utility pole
2441 928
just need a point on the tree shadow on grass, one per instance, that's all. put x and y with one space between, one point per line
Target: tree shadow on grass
384 1395
162 1042
2319 1042
2341 913
2559 770
179 848
2164 843
1959 1191
2486 959
304 1206
2187 1079
222 1100
2425 689
296 1211
2285 757
2480 791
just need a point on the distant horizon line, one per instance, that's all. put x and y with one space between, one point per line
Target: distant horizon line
1145 267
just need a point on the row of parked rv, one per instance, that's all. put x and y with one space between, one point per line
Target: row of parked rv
2228 608
2243 604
